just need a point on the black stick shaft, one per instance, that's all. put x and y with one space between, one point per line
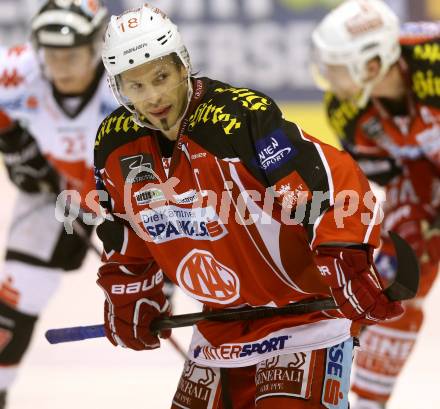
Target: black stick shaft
247 313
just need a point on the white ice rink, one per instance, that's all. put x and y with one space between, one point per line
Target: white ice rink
93 374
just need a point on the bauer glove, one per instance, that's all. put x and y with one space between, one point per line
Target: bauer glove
355 284
134 298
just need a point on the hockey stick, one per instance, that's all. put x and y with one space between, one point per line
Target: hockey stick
404 287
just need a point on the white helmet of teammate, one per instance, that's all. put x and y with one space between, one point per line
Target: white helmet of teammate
353 34
68 23
136 37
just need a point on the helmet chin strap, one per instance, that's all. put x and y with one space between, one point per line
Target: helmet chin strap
364 97
368 86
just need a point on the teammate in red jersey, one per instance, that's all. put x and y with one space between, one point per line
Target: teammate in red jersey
384 104
209 185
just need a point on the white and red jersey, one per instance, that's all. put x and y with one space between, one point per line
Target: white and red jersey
66 139
213 221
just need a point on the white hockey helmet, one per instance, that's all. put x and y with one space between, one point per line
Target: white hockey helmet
136 37
68 23
353 34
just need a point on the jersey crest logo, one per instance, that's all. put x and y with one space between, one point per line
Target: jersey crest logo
10 79
204 278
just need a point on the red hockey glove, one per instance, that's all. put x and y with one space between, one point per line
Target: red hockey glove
355 285
133 300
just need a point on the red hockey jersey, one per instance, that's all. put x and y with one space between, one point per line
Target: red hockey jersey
388 138
233 222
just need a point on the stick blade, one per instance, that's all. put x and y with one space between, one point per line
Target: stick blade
406 282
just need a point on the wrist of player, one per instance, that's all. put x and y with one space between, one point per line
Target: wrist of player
355 286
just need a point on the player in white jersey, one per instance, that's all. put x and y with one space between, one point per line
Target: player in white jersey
53 95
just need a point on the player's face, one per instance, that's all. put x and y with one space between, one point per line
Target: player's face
337 79
70 69
158 90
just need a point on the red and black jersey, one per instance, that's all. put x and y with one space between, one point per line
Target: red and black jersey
235 218
397 144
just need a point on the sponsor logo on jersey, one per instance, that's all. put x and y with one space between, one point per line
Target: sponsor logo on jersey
187 197
292 190
145 197
288 375
211 113
386 350
235 351
249 99
203 277
198 155
274 150
167 223
137 168
427 52
341 113
198 89
10 78
121 123
337 375
426 84
197 385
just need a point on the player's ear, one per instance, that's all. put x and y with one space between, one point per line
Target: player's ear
372 68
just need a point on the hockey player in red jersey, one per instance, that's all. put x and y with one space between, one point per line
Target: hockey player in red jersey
384 104
207 184
53 95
